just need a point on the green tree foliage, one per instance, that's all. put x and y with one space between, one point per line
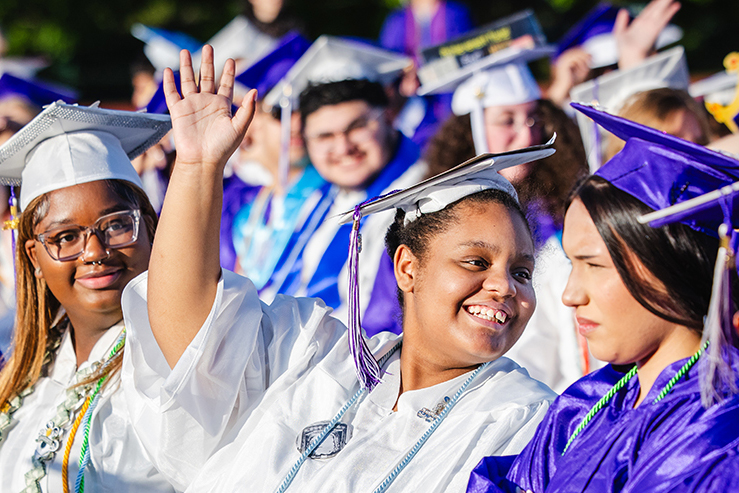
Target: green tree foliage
89 44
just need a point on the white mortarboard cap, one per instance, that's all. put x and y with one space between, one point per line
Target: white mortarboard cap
603 49
240 40
504 85
67 145
510 55
25 68
434 194
718 88
507 84
610 91
501 78
333 59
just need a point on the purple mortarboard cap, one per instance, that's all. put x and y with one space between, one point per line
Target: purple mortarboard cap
38 93
264 74
662 170
717 208
594 34
599 20
162 47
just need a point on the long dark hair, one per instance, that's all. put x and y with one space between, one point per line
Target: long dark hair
417 234
678 257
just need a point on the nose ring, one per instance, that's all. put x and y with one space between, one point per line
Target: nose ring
100 262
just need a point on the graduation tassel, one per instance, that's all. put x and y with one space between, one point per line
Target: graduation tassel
12 224
718 330
286 113
368 371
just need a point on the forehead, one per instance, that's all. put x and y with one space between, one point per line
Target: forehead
81 203
511 109
488 225
580 232
335 117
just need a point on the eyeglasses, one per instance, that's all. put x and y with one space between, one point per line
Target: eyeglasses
516 126
115 230
360 130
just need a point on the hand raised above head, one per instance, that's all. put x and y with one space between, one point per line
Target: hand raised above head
205 132
636 40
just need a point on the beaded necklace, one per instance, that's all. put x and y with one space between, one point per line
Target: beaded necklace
414 450
82 398
621 383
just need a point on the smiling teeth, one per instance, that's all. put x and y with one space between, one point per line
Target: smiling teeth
488 314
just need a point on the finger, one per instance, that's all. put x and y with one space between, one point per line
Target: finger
187 76
670 13
226 88
170 89
245 113
658 12
207 71
622 22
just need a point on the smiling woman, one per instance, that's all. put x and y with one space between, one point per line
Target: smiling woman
268 394
84 233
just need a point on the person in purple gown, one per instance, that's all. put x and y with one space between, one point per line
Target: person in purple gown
422 24
663 416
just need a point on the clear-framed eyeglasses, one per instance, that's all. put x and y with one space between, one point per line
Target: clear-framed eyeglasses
516 125
360 130
68 242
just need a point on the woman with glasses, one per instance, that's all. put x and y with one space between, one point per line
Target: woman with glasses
84 232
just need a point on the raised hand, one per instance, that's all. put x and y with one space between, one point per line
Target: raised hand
205 132
571 68
185 266
636 40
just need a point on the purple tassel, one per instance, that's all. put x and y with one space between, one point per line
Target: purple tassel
368 371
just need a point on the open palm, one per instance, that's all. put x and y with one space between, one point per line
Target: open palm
204 130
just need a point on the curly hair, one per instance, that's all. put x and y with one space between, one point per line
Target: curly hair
551 179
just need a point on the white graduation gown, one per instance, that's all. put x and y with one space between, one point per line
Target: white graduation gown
118 463
227 417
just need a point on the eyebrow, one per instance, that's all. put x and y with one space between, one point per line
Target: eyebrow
495 249
584 257
360 120
104 212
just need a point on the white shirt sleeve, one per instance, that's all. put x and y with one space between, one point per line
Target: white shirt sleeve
184 414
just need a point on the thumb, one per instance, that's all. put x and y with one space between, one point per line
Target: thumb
245 113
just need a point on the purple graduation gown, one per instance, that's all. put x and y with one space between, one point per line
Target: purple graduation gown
673 445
